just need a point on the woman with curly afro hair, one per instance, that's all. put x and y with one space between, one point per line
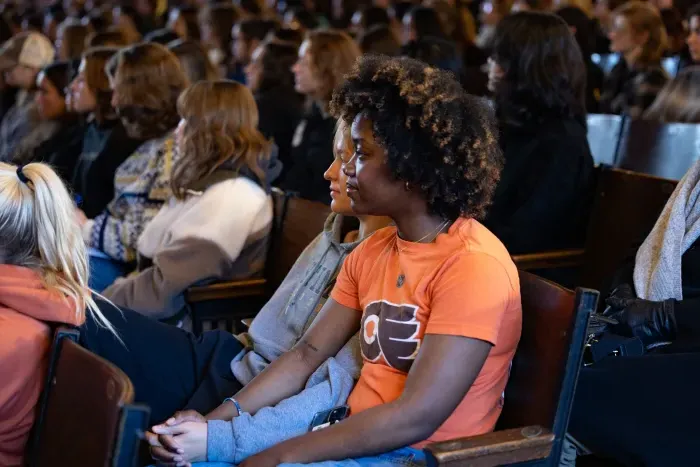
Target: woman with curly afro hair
435 298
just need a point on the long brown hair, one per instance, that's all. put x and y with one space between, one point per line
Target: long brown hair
679 100
333 54
74 38
642 17
147 82
221 127
97 81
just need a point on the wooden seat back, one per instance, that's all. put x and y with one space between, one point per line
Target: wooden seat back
302 222
546 365
625 209
87 417
665 150
603 137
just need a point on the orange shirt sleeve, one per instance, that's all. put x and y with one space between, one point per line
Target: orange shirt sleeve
470 298
346 289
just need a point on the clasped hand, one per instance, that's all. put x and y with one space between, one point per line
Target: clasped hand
181 440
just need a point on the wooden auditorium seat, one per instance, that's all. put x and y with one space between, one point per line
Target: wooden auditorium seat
542 383
625 209
296 223
665 150
85 415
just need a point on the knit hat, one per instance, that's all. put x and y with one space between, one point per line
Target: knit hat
30 49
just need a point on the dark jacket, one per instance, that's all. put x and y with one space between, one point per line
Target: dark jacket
311 155
63 149
631 91
541 202
104 148
280 111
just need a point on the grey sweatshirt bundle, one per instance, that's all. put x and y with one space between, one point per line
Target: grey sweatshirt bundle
275 330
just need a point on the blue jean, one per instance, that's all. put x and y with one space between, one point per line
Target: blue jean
103 271
405 457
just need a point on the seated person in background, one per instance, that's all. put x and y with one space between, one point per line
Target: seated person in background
56 139
248 34
53 16
657 300
679 100
146 82
105 143
582 27
194 60
21 60
172 370
269 77
43 280
436 298
379 40
537 76
638 35
127 20
324 58
216 224
184 22
71 38
216 21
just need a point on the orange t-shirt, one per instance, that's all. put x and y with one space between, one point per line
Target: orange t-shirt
463 284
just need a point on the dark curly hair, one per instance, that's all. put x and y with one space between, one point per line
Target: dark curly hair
545 75
439 139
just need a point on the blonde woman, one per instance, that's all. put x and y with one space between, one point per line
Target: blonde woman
324 58
43 279
639 36
216 223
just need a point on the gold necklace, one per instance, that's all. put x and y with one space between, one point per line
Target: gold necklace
402 277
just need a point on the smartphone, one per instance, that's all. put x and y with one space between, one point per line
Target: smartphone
329 417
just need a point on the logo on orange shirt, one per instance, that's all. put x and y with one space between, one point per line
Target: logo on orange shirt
390 331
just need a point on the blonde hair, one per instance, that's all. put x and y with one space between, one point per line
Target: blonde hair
221 126
642 17
679 100
39 231
333 53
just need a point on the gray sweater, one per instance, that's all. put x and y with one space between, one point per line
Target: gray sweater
275 330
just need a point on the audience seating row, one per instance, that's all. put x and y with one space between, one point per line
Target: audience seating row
665 150
87 416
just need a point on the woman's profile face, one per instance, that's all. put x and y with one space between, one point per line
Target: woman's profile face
305 80
50 103
370 185
694 38
81 97
254 70
340 203
621 35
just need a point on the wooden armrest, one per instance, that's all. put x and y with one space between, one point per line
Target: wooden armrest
223 290
493 449
549 259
